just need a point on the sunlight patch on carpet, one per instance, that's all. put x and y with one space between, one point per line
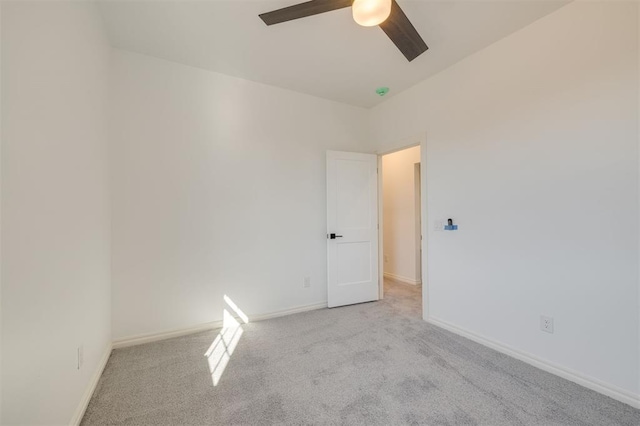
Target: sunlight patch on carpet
220 351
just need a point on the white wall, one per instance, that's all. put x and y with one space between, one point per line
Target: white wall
55 208
1 133
532 147
399 214
219 188
0 217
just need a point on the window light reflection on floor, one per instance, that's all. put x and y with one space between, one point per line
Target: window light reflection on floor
220 351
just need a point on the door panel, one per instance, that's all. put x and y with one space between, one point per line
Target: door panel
352 214
354 262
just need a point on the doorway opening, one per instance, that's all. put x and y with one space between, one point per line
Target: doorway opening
401 236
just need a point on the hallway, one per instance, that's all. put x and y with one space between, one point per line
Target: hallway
406 299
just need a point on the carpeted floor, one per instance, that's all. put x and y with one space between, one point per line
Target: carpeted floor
374 363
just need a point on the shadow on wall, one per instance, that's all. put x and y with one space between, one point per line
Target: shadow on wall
220 351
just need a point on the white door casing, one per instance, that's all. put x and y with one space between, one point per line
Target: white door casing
352 215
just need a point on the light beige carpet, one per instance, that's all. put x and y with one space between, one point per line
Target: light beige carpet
374 363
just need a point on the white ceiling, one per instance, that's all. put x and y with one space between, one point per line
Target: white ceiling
326 55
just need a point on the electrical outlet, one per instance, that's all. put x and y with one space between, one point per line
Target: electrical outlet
307 282
546 324
80 356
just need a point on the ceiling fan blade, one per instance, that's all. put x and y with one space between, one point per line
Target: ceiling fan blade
403 34
303 10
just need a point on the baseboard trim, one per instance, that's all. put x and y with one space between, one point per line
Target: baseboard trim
401 279
290 311
84 403
169 334
574 376
141 339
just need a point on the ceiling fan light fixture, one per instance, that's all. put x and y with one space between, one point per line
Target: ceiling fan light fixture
369 13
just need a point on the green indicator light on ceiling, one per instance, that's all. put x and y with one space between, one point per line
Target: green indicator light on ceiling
381 91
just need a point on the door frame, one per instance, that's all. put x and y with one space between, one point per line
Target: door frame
417 193
421 141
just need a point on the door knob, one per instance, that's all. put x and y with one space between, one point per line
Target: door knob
334 236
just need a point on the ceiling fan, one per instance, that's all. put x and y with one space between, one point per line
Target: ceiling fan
385 13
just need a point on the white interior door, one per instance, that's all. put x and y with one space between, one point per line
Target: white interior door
352 228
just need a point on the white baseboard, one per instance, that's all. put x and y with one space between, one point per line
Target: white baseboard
164 335
614 392
84 403
141 339
291 311
401 279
